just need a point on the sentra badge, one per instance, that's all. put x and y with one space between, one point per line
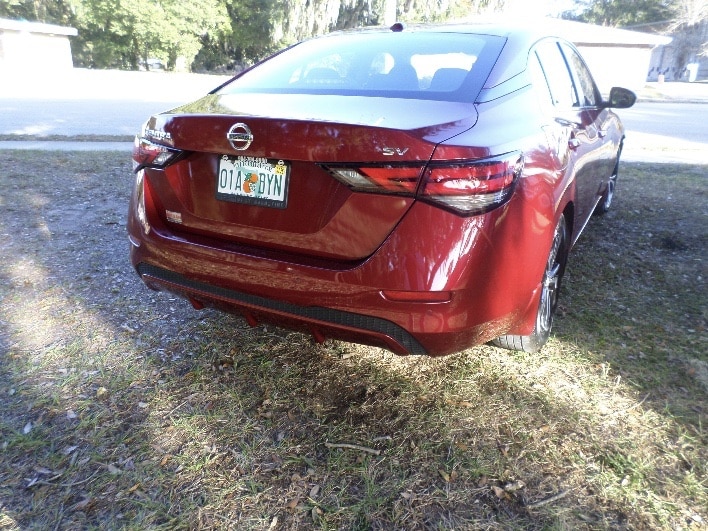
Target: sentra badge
158 135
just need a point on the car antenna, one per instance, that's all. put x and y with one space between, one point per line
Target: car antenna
397 27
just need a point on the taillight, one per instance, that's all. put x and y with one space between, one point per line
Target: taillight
140 200
385 178
149 154
474 186
466 187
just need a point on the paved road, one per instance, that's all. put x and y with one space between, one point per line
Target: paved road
683 121
87 102
666 132
94 102
76 117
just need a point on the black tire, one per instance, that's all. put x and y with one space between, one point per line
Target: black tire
552 276
608 195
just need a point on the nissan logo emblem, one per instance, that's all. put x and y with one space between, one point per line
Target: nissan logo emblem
239 136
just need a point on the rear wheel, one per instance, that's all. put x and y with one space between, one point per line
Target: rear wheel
552 276
606 201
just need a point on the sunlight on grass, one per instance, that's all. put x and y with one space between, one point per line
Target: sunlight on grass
124 408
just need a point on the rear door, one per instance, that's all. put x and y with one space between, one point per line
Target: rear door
600 154
577 122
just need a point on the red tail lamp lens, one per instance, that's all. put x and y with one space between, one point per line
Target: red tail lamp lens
472 187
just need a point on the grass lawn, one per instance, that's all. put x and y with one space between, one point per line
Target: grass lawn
126 409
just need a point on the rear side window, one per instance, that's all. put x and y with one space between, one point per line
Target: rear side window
587 92
420 65
539 81
557 74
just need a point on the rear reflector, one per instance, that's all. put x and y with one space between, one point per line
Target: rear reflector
416 296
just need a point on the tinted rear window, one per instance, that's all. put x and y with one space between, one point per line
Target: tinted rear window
419 65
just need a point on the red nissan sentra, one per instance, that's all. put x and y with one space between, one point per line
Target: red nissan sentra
416 189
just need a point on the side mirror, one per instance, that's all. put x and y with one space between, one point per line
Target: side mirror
620 98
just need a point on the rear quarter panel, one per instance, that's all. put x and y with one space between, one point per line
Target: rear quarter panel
523 232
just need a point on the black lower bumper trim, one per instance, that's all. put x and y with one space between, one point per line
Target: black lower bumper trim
313 313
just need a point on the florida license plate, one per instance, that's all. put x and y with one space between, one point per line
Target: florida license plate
253 181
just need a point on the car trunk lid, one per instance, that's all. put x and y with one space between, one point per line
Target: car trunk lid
255 180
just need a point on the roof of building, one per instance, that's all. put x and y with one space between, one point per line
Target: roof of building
36 27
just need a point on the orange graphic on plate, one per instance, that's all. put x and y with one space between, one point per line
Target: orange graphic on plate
249 183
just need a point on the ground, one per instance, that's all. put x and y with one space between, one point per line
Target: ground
125 408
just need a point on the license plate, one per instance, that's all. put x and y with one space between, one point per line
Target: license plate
253 181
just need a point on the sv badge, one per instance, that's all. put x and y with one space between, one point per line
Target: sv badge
390 151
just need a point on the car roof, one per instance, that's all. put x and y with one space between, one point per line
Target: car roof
517 31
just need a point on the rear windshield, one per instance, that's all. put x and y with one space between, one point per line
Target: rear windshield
418 65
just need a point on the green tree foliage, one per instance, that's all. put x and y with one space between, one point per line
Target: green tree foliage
623 12
125 33
259 27
224 34
49 11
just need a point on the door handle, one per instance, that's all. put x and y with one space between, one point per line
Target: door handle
568 123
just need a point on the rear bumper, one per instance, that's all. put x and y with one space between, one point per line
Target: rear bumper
322 323
488 291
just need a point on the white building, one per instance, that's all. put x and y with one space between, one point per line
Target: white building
616 57
34 46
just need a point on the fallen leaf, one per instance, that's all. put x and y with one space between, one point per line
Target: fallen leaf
444 475
292 504
28 428
499 492
165 460
314 491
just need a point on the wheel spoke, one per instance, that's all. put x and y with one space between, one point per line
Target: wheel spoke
551 279
609 195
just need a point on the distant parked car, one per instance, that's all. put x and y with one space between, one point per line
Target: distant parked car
153 64
417 189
